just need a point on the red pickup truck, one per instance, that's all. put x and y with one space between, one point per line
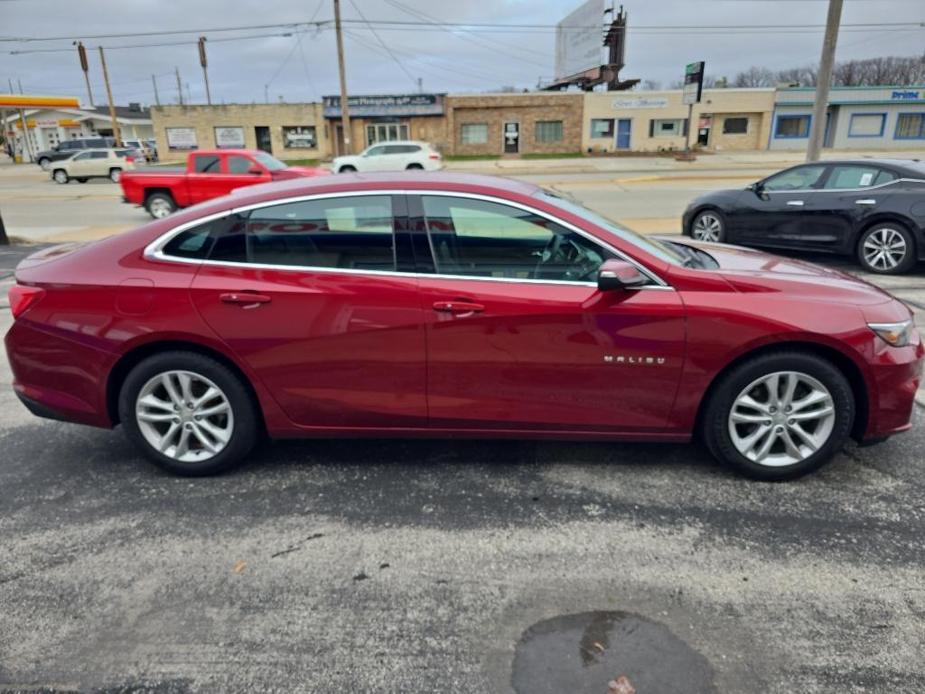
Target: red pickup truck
208 174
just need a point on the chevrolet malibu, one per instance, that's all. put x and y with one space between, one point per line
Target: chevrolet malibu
448 305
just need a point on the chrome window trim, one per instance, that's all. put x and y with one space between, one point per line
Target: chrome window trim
801 191
154 250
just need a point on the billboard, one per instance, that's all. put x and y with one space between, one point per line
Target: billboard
579 39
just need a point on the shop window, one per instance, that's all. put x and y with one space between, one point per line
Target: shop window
866 124
910 126
299 137
473 133
792 126
602 127
386 132
548 131
667 127
735 126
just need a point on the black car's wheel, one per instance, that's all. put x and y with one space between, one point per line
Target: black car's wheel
709 225
779 416
159 205
346 169
188 413
60 176
45 163
887 249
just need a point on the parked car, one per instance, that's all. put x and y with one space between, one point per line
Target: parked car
872 209
94 163
152 146
208 174
391 156
142 147
452 305
66 148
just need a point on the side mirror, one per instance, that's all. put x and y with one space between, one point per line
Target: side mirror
757 187
619 274
255 171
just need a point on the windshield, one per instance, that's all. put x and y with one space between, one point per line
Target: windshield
271 163
659 249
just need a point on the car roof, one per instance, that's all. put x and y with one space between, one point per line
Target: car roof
399 142
371 182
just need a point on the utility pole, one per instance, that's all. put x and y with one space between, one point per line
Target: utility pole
19 82
25 135
112 108
205 66
10 80
85 66
420 85
157 98
824 81
344 109
179 87
266 93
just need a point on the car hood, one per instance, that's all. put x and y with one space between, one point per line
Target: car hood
748 270
298 172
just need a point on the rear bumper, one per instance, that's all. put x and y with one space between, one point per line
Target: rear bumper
57 377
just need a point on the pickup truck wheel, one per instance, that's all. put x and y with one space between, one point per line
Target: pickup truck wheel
115 175
45 163
60 176
346 169
159 205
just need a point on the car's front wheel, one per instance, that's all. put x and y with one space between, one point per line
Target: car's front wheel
709 225
779 416
115 175
188 413
887 249
45 163
60 176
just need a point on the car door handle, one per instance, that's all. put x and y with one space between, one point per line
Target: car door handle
865 201
245 299
795 203
458 308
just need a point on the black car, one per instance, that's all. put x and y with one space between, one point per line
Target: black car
873 209
66 148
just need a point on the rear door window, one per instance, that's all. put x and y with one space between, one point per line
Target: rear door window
848 176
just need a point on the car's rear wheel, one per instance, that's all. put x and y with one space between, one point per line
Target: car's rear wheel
115 175
160 205
60 176
346 169
188 413
81 180
45 163
779 416
709 225
887 249
413 166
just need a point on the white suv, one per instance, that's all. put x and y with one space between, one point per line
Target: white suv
93 163
391 156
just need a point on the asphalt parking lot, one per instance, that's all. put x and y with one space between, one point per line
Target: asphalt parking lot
456 566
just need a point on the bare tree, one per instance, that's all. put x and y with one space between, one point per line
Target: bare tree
651 85
755 76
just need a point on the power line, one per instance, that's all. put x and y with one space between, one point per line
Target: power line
382 43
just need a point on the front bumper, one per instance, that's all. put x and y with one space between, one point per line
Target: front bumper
896 375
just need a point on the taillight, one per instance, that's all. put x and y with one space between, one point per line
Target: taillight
433 155
130 160
23 298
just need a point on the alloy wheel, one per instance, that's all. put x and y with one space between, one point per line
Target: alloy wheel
184 416
159 208
884 249
781 418
707 227
60 176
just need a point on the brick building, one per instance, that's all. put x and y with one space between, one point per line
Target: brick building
513 124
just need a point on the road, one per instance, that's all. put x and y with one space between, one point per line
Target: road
453 566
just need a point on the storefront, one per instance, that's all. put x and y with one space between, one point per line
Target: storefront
724 120
874 118
386 117
287 131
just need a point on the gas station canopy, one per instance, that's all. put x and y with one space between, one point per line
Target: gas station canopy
35 101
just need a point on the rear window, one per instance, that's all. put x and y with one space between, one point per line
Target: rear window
197 242
206 163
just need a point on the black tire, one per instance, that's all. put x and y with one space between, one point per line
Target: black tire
702 217
60 176
156 202
715 421
347 169
413 167
245 414
44 163
882 264
81 180
115 174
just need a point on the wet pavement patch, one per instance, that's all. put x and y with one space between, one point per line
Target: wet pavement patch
591 651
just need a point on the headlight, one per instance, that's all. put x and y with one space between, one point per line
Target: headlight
895 334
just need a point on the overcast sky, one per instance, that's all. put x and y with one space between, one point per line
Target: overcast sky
303 66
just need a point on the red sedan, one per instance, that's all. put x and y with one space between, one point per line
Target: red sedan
450 305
